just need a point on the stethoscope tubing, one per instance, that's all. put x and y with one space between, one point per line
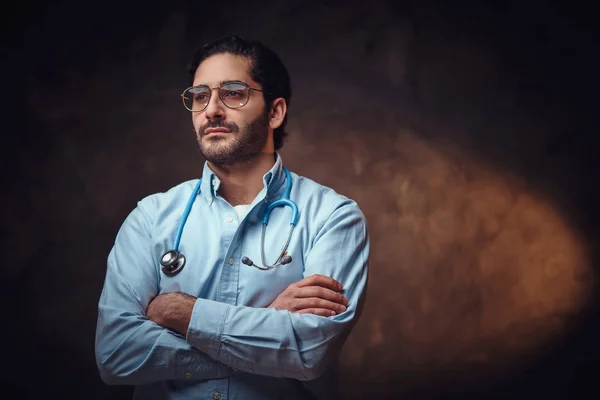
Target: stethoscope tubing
173 261
186 214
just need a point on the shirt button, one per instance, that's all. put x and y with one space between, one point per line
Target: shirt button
188 375
230 261
214 182
229 220
217 396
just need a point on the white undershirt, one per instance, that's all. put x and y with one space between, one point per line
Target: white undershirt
241 211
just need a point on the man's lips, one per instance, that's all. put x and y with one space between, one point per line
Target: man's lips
210 131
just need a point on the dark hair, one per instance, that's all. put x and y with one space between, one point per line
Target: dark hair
266 69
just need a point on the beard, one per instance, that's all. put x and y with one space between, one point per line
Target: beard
238 146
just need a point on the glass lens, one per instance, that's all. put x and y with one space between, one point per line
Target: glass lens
196 98
234 95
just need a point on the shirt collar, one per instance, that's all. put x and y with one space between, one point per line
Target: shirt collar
273 181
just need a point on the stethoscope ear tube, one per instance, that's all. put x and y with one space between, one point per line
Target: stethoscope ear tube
283 257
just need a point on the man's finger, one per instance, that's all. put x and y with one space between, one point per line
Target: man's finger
315 302
320 280
323 312
321 292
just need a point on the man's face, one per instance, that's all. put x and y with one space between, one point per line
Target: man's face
226 135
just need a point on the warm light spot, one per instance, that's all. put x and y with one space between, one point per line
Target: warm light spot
470 269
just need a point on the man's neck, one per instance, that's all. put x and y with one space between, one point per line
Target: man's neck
241 182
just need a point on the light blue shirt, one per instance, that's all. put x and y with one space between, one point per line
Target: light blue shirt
235 347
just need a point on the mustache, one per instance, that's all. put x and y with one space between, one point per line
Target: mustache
219 124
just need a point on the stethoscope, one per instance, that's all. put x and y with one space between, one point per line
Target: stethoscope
173 261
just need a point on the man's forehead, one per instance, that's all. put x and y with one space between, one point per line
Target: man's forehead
221 68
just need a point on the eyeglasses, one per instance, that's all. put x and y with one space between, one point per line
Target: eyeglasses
232 94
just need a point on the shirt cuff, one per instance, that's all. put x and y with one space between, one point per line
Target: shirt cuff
206 326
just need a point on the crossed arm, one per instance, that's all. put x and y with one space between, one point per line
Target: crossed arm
317 294
144 337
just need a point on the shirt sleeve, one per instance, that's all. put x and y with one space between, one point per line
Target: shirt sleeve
129 348
279 343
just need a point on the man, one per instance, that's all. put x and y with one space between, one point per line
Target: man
223 325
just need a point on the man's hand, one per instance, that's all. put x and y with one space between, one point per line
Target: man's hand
172 311
317 294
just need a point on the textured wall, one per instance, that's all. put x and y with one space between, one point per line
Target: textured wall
460 133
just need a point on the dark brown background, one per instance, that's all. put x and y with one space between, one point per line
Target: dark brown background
464 131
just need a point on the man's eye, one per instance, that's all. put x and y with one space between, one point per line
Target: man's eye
233 94
200 97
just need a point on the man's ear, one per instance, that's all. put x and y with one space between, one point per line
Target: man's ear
277 113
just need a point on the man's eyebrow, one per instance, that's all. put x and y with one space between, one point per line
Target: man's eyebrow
221 83
230 81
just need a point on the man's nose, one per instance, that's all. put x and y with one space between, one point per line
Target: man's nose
215 108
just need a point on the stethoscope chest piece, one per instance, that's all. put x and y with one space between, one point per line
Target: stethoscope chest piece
172 262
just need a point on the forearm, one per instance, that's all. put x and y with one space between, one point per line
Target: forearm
131 350
266 341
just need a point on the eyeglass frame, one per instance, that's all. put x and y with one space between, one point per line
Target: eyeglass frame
248 87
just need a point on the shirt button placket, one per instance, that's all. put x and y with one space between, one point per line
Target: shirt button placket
228 285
